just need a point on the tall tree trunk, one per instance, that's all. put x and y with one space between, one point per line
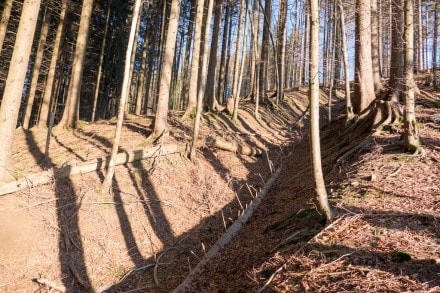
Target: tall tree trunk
265 48
45 104
124 96
378 87
281 48
15 81
349 106
202 80
235 90
363 85
397 59
318 177
167 66
194 77
411 137
256 53
222 69
37 66
434 46
101 61
419 37
6 13
210 83
140 93
71 110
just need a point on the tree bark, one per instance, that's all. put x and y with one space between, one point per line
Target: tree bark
434 46
411 137
281 48
318 177
349 106
167 65
202 80
71 109
101 62
378 87
106 185
397 59
265 48
363 85
210 83
15 81
37 66
6 13
46 101
235 89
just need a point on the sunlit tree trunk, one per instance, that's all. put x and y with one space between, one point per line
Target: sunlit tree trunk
318 177
349 106
281 47
37 66
15 81
45 104
397 59
6 13
265 48
434 46
210 83
167 66
363 85
378 87
124 96
71 110
194 75
101 62
235 89
419 37
411 136
202 87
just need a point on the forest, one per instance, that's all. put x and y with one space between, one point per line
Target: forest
219 146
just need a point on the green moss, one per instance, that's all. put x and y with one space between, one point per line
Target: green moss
400 256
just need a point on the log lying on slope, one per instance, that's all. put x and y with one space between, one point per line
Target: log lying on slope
45 177
237 148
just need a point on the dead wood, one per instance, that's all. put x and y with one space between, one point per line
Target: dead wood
237 148
36 179
229 235
51 284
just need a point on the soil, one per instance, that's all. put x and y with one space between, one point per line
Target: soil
165 213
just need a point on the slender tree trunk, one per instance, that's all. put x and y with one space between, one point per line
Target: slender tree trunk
124 96
411 137
101 61
141 80
378 87
210 83
419 37
397 59
222 73
45 104
167 66
203 76
318 177
256 37
15 81
364 85
6 13
194 77
434 46
37 66
71 110
281 42
265 48
235 90
349 106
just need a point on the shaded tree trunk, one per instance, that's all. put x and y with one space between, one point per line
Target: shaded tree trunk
167 66
434 46
411 137
397 59
281 48
378 87
15 81
37 66
71 109
349 106
46 101
265 48
363 85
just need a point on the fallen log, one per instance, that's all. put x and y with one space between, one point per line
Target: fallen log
40 178
230 234
237 148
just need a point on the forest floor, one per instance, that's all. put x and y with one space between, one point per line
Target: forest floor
165 213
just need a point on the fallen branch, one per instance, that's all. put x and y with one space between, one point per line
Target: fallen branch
229 235
45 177
237 148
